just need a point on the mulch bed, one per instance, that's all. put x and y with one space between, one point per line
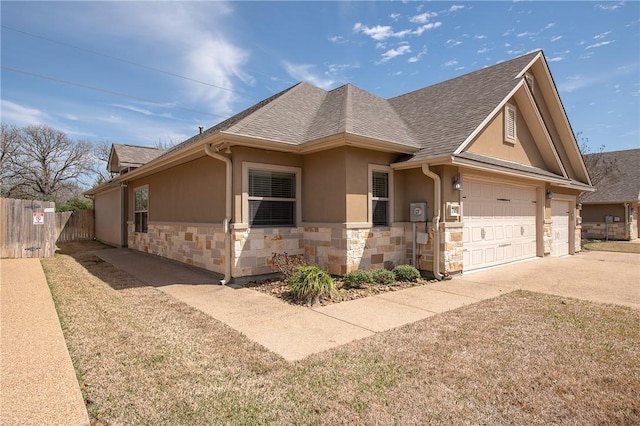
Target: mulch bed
279 289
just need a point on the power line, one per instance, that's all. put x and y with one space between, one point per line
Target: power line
126 61
110 92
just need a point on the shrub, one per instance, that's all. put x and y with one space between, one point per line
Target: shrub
406 273
356 279
310 283
383 277
286 264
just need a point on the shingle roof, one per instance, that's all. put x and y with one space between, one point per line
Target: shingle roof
135 156
442 116
623 185
435 120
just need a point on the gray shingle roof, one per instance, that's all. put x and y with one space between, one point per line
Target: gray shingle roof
621 186
442 116
435 120
508 164
135 156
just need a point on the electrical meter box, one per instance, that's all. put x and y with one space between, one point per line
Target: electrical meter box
418 212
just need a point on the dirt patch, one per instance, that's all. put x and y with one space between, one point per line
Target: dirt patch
523 358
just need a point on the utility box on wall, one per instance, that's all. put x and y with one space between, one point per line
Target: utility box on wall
418 212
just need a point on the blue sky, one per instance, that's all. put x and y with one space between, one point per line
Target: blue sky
149 72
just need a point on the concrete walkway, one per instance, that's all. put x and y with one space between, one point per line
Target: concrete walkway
38 384
295 332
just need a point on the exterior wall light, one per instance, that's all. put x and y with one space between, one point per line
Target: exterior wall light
455 181
549 194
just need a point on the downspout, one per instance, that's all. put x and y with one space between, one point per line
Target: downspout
227 220
627 224
437 195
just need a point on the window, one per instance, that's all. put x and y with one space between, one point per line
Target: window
379 197
272 197
510 124
141 209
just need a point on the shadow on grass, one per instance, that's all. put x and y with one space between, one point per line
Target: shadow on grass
122 268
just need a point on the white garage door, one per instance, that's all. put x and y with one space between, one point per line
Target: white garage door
499 223
560 227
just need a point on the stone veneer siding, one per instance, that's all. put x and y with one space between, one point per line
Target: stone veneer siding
194 244
454 248
599 230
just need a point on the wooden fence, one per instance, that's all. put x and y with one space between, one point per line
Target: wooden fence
31 228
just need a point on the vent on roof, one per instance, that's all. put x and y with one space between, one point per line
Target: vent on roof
529 80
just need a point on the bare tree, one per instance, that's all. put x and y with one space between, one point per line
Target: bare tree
101 152
599 165
9 145
46 164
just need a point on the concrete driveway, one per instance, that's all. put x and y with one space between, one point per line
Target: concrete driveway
295 332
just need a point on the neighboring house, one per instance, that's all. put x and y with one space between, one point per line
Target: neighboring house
333 175
612 211
111 217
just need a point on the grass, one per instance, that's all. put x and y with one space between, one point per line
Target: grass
616 246
522 358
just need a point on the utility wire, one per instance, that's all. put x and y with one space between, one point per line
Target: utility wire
126 61
110 92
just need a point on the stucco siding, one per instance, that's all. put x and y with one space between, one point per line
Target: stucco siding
324 187
108 217
190 192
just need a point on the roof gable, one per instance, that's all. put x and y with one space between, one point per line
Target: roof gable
124 156
622 184
441 117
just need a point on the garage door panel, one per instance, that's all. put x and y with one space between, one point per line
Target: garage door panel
505 228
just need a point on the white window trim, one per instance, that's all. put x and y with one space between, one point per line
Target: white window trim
246 166
379 168
507 109
136 189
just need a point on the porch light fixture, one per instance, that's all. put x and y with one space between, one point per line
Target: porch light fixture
455 181
549 194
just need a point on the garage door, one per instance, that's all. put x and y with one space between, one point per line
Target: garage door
499 223
560 227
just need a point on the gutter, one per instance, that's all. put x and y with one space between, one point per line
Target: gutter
437 195
227 220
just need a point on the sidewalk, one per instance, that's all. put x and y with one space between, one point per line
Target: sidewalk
295 332
38 384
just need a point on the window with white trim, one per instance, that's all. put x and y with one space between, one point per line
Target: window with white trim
510 118
379 181
272 196
141 209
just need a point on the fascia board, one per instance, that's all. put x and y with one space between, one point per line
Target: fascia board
542 125
504 171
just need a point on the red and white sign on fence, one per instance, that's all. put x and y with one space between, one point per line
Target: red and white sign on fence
38 218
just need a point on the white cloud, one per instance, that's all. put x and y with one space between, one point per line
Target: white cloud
451 63
610 6
337 39
452 42
334 69
192 45
601 35
71 117
455 8
480 37
483 50
556 38
555 59
305 72
525 34
395 16
419 56
379 32
418 31
21 115
392 53
549 25
423 17
602 43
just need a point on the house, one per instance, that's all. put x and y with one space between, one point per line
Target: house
486 165
110 219
611 213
